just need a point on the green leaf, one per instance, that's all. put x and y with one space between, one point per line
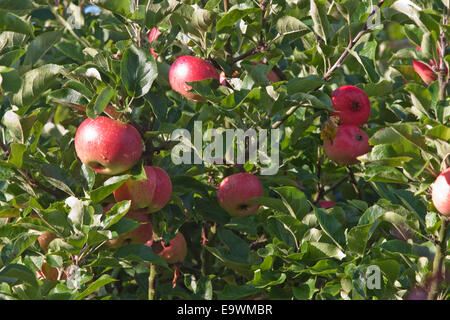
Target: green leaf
117 6
11 79
94 286
140 252
40 46
16 155
294 200
357 238
10 22
305 84
35 83
100 103
17 5
108 187
113 215
330 225
12 250
138 70
233 16
306 290
15 273
288 25
319 17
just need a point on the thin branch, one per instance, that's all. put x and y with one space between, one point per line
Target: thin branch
285 116
438 263
352 43
151 282
255 50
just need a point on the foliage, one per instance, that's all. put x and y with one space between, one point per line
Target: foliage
62 63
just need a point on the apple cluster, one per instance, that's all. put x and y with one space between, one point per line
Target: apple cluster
348 141
111 147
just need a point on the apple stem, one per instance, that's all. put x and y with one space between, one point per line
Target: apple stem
151 282
438 262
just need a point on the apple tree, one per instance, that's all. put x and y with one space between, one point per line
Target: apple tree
117 179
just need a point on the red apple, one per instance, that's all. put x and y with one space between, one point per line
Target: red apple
236 191
151 194
349 143
271 76
326 204
173 252
189 69
108 146
49 272
351 104
441 193
143 234
44 240
153 35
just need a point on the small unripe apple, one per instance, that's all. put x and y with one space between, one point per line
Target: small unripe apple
236 191
349 143
173 252
44 240
190 69
143 234
108 146
152 193
153 35
440 194
351 104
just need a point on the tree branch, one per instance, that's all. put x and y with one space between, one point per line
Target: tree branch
438 263
352 43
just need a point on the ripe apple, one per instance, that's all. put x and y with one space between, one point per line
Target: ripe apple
49 272
326 204
143 234
189 69
108 146
235 191
271 76
173 252
440 194
351 104
153 35
349 143
151 194
44 240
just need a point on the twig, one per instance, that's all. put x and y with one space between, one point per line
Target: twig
285 116
333 187
151 282
68 27
354 183
442 72
37 185
258 49
225 5
352 43
438 262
